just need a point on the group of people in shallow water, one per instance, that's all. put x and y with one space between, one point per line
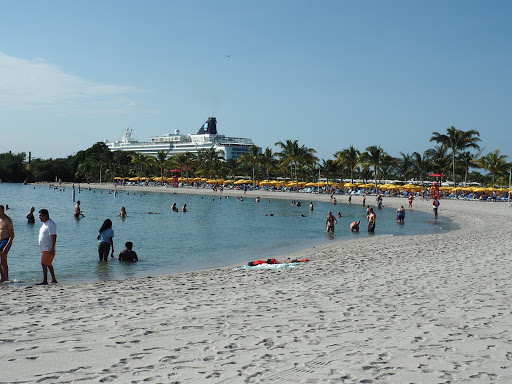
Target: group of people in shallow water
106 244
47 241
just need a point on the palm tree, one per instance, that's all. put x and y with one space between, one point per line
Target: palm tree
268 159
374 156
189 162
179 160
404 165
495 163
140 161
293 155
231 166
456 140
465 161
348 157
161 161
253 157
328 168
421 165
210 161
438 158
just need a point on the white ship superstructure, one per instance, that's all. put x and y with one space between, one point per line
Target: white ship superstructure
176 143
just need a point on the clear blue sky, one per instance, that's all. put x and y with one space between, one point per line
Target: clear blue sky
326 73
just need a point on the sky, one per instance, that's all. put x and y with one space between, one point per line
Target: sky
329 74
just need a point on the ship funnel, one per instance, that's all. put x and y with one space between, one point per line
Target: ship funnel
210 127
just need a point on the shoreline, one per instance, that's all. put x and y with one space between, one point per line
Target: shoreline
422 308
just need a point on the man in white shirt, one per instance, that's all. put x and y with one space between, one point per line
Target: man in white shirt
47 240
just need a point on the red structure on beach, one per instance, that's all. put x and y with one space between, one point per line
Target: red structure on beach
175 181
434 189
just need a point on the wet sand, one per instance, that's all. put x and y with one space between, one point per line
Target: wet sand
408 309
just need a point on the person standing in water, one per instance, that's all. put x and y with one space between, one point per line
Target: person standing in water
47 241
122 214
329 222
400 214
30 216
6 238
371 221
105 240
78 212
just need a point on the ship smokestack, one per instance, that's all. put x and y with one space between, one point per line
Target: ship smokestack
210 127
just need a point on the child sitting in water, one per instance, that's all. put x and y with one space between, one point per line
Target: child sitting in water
127 254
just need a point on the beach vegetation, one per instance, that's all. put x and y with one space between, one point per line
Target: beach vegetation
456 140
374 157
12 167
209 162
161 161
348 157
404 166
495 163
293 155
292 162
421 164
252 157
439 159
269 161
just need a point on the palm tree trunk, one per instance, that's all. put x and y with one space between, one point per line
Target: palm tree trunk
453 165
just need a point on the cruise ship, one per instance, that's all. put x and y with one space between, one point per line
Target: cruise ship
176 143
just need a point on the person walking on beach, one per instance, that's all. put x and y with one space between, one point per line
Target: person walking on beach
411 198
6 238
329 222
371 221
30 215
435 203
364 200
78 212
128 254
47 240
105 240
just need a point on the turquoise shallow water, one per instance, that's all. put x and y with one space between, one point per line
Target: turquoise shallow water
216 231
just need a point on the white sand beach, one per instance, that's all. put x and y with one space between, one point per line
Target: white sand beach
410 309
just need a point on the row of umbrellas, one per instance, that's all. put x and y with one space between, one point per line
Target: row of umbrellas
301 184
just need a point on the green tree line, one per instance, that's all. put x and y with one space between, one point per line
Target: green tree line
457 155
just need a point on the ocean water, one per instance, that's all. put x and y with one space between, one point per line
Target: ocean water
216 231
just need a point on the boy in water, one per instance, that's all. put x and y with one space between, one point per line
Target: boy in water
128 254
